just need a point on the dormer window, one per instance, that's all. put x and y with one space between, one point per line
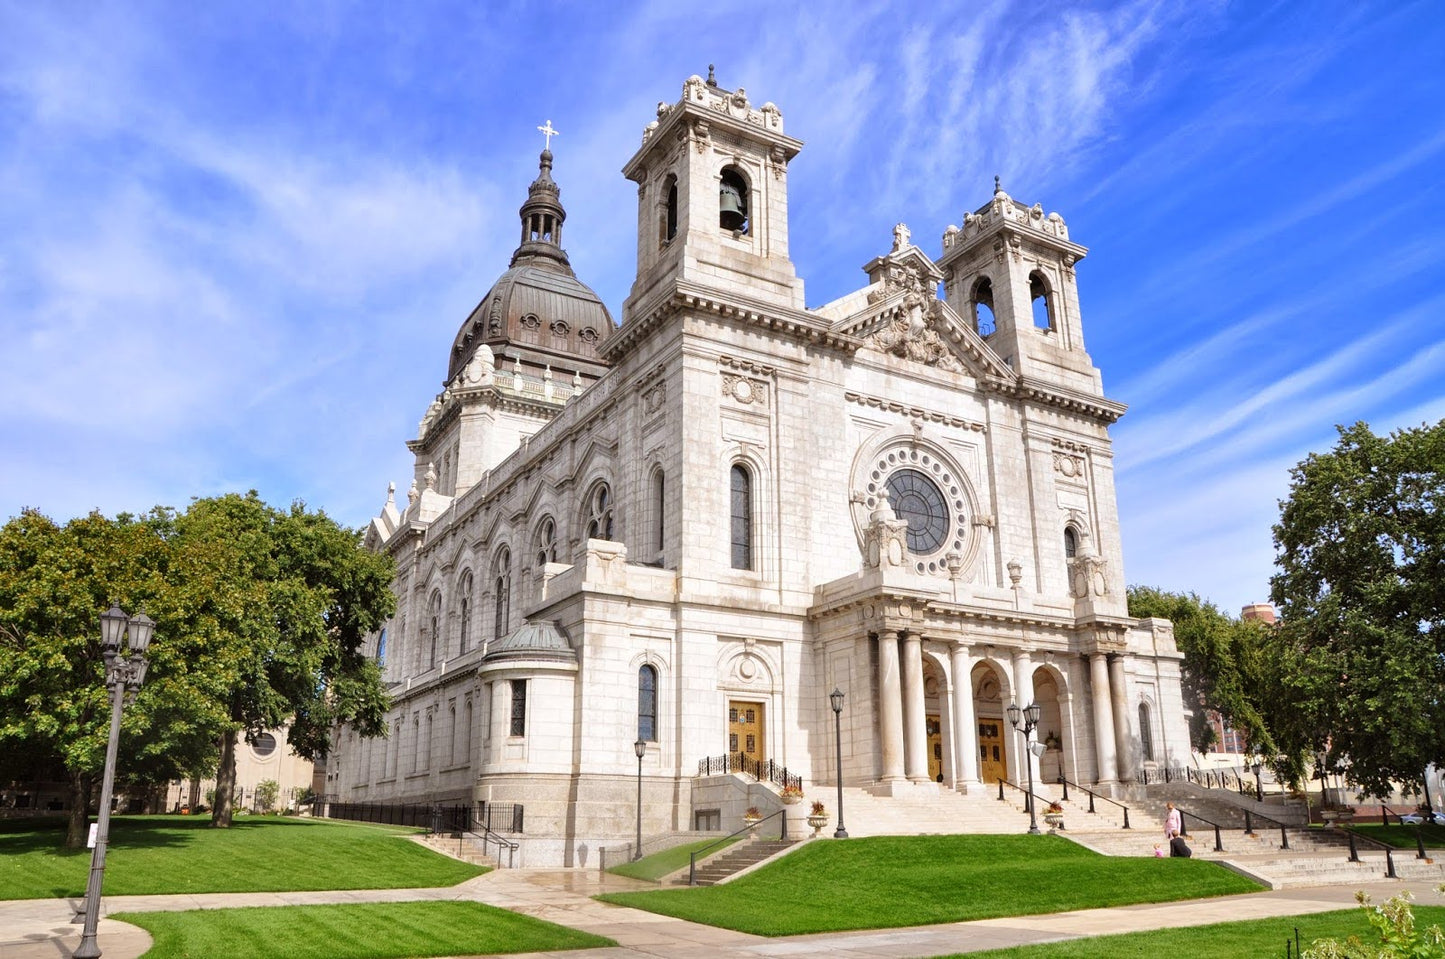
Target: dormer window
733 202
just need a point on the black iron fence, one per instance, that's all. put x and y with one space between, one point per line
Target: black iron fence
438 817
761 770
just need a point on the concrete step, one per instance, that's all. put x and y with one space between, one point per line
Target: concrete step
735 860
457 847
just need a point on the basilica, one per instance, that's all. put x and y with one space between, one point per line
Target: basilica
637 554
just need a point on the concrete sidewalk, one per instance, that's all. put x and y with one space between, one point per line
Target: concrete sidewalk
42 929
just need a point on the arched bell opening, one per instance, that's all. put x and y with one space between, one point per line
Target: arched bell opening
982 300
733 201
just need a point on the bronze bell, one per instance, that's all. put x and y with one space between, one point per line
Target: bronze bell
732 211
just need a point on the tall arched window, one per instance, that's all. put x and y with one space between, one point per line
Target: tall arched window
502 591
1146 733
742 517
545 544
1071 542
659 510
1041 302
647 704
983 318
381 648
733 201
599 513
669 211
434 628
464 610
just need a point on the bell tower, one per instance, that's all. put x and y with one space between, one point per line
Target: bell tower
712 197
1010 271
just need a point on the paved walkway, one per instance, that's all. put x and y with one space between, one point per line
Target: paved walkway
42 929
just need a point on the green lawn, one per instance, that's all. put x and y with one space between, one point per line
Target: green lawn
888 882
660 864
1402 836
353 931
176 854
1253 939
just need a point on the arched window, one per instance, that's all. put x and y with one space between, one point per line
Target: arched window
545 544
742 518
733 201
464 610
434 628
1041 302
1146 733
647 704
599 513
669 211
381 648
519 707
983 318
1071 542
659 510
502 583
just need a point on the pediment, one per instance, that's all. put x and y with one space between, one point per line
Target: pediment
907 321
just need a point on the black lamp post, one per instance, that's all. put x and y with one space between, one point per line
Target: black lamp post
1258 783
1031 715
124 672
639 747
835 698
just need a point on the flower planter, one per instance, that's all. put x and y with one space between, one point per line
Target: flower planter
817 822
1055 820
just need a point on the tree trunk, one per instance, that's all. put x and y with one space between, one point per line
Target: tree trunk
78 829
193 798
225 783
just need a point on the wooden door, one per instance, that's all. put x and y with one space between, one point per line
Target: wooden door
935 749
991 759
745 730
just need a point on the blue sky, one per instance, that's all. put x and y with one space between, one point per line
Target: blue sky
236 240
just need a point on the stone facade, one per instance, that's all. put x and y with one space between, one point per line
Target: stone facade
688 529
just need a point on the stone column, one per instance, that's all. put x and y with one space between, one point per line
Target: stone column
965 724
1119 693
890 707
915 719
1024 695
1104 745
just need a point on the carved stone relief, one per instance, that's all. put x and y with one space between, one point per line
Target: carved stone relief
745 390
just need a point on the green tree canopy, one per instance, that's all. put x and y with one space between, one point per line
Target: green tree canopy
1224 662
1361 592
260 617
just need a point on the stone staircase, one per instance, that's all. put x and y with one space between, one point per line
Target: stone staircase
734 860
942 813
456 847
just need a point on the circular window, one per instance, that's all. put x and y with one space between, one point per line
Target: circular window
918 499
264 745
924 491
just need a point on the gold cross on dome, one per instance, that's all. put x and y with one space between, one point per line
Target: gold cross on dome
549 133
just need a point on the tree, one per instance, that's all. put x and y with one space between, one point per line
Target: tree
1224 664
1361 650
280 602
267 791
54 708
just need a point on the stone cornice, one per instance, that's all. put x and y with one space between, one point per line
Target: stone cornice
913 412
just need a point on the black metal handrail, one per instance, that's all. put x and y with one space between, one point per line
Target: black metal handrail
1092 795
1218 840
1029 797
1389 851
761 770
488 836
747 827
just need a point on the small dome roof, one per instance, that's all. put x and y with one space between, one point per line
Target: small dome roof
533 641
538 305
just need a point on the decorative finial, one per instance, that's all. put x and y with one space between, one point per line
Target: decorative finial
997 187
711 77
549 133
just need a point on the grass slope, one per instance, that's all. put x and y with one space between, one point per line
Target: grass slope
1226 940
1402 837
889 882
354 931
173 854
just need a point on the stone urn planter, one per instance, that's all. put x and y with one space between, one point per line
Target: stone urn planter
818 822
1055 820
